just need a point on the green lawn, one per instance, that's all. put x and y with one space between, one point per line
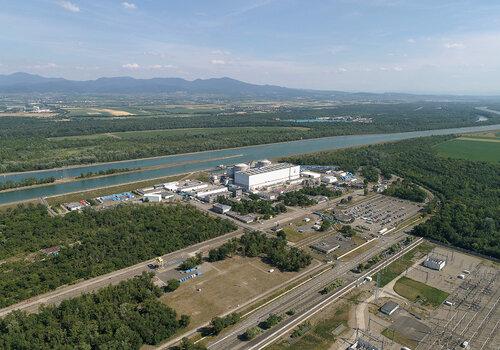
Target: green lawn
419 292
397 267
487 150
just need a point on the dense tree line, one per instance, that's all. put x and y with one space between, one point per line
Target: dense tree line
275 251
406 190
124 316
26 182
104 172
370 173
254 205
93 243
219 323
35 143
469 191
302 197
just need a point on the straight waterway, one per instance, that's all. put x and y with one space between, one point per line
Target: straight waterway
184 163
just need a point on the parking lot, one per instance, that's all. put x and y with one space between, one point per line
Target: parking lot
381 213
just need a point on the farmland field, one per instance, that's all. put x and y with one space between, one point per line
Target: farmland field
481 149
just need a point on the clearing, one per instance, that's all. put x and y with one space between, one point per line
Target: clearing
238 279
419 292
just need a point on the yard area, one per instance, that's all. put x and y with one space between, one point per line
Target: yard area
419 292
237 279
397 267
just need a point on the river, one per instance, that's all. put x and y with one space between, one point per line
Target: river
184 163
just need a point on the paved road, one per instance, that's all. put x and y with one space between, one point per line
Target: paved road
320 303
300 299
71 291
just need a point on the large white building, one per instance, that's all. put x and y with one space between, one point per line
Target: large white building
265 176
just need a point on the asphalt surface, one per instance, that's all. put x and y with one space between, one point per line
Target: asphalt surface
301 299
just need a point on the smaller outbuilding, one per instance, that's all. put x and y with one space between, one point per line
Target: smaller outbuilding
221 208
389 308
152 197
434 264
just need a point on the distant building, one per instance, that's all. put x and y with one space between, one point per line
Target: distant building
389 308
310 174
434 264
247 219
329 179
267 175
153 197
210 191
73 206
221 208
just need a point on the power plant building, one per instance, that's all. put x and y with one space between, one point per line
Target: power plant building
266 176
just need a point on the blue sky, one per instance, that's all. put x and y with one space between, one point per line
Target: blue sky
424 46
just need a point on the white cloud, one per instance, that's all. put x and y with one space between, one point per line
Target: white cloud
43 66
160 66
398 69
131 66
129 5
454 46
218 62
68 6
411 41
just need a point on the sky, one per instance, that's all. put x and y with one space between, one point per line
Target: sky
416 46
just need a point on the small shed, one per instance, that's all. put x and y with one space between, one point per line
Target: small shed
389 308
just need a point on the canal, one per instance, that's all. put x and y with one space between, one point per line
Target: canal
183 163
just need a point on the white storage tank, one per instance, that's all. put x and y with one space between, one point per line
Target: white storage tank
263 163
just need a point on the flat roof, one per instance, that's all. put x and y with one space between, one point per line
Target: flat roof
389 307
266 169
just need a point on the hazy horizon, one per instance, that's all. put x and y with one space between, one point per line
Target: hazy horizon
371 46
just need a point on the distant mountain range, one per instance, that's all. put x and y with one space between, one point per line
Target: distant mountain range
30 83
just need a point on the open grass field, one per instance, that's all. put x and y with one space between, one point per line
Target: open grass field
485 149
238 279
397 267
419 292
399 338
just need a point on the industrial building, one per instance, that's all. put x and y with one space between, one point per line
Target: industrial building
266 175
434 264
221 208
389 308
209 191
310 174
152 197
329 179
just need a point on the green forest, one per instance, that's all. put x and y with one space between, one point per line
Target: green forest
275 251
34 143
405 189
125 316
468 192
92 243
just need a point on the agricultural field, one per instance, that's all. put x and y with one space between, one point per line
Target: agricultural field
479 147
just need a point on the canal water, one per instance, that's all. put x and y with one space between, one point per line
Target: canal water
183 163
